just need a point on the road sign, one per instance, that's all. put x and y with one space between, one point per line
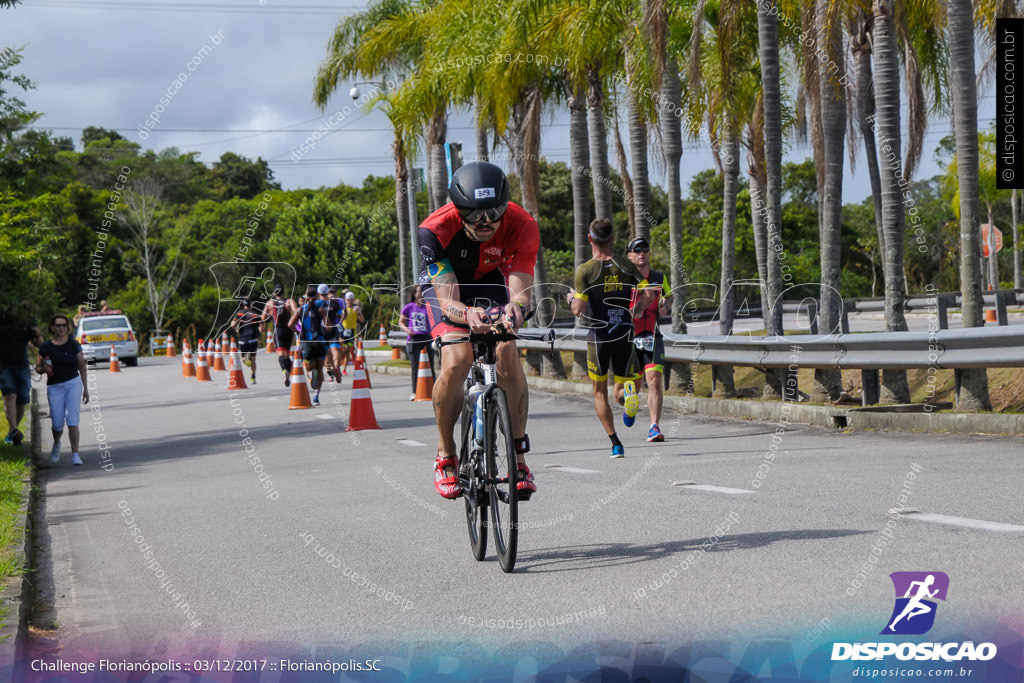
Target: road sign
984 240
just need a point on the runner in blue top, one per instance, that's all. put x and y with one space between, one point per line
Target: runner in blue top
415 324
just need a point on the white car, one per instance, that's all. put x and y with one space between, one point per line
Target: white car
98 332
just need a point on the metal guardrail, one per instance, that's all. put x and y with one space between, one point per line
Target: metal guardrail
979 347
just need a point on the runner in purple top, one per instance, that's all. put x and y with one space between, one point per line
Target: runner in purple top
414 322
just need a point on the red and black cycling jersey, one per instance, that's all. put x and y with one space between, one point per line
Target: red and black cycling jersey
248 325
445 246
279 312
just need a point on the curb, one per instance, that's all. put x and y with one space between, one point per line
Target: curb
17 596
825 416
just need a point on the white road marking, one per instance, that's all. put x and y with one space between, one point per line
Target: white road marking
408 442
577 470
716 489
982 524
325 416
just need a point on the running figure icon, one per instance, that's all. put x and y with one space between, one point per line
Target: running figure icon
916 596
915 606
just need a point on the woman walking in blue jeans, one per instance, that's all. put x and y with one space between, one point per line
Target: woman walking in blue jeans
62 361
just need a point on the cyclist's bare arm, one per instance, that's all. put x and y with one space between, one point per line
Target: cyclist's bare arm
446 286
519 285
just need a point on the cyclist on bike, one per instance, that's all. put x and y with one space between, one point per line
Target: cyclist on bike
604 287
650 346
477 252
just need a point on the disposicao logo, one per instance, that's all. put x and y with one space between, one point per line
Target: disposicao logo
914 614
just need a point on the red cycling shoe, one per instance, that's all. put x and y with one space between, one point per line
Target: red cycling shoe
447 485
526 486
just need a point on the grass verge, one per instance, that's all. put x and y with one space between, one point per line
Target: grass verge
15 470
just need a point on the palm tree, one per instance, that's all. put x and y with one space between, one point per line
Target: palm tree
768 41
974 382
354 51
887 124
832 102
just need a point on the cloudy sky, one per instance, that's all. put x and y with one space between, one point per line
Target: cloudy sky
108 62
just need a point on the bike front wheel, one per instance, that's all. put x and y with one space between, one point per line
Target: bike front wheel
474 493
502 477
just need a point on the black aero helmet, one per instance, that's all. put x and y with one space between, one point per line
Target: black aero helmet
479 190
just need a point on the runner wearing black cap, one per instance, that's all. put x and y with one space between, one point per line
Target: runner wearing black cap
650 346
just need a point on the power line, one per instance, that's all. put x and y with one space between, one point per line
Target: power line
193 7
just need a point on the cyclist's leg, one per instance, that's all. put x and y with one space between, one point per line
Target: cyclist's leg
448 388
512 379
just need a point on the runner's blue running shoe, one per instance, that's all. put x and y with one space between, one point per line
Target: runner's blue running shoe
618 452
654 434
631 403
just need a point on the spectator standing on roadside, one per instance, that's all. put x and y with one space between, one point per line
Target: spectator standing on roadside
414 322
62 361
15 371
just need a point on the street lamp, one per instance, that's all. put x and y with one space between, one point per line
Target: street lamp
354 92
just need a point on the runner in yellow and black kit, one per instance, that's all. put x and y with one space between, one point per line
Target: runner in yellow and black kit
350 322
604 287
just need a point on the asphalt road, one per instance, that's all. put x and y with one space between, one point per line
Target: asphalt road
614 544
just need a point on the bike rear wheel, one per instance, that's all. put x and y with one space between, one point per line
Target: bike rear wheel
502 476
475 497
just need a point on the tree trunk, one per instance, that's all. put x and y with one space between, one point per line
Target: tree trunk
402 213
768 39
598 145
480 133
627 182
866 108
579 155
828 382
437 184
530 180
677 374
974 382
757 182
887 100
638 163
731 168
1014 198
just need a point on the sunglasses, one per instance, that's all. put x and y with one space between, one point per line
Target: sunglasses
60 324
641 250
478 216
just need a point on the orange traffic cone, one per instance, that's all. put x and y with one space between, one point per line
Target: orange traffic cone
361 415
188 368
218 356
236 375
202 367
300 390
396 353
424 378
270 342
361 359
383 336
115 365
170 345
